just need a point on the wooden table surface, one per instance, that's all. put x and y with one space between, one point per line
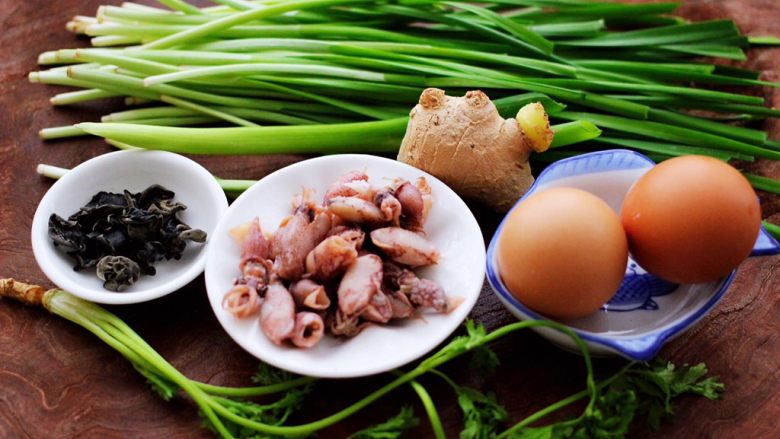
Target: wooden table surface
57 380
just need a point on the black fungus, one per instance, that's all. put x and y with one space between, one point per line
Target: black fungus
138 228
117 272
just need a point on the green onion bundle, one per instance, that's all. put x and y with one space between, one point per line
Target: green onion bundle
324 76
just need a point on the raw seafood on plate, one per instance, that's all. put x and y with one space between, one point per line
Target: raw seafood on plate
340 265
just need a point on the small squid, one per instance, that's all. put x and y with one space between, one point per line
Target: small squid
353 235
277 313
379 310
390 207
402 307
427 196
356 210
420 292
360 282
309 329
405 247
310 294
256 273
330 258
254 244
347 326
244 298
354 183
424 292
412 206
296 237
241 301
255 248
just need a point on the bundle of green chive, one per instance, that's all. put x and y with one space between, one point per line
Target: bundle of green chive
324 76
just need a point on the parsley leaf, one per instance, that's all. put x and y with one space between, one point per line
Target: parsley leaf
483 361
659 383
553 431
164 388
610 418
639 390
482 414
275 413
474 334
390 429
267 375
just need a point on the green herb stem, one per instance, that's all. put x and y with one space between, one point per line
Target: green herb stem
120 336
115 40
181 103
65 305
670 133
773 229
175 121
228 185
430 409
51 133
671 149
446 378
573 132
235 186
181 5
346 61
767 40
79 96
377 137
226 22
128 85
552 408
246 392
764 183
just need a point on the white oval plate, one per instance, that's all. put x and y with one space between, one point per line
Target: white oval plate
450 225
133 170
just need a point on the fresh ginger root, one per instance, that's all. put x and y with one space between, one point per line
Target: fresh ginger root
465 142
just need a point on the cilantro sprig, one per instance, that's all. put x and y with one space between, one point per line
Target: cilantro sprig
637 390
392 428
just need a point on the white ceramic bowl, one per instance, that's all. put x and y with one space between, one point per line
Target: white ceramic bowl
135 171
646 312
451 226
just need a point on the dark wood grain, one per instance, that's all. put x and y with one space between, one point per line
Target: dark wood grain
57 380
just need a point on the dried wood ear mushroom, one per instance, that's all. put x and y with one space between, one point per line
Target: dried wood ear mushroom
117 272
470 147
124 234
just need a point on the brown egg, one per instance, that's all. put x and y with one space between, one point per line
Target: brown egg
562 252
691 219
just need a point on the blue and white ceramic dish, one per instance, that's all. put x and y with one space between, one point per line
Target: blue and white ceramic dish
646 312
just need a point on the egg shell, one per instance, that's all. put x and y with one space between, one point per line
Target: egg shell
562 252
691 219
